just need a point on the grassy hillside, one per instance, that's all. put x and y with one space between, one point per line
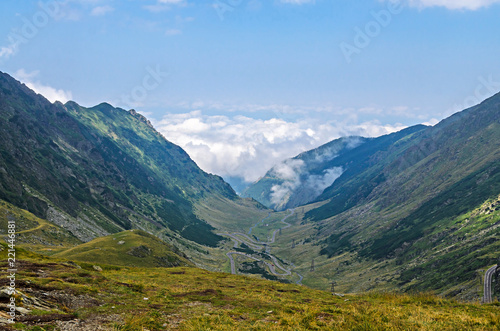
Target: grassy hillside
230 215
33 231
134 248
121 298
408 216
450 260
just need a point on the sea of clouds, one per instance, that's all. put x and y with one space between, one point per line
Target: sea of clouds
245 147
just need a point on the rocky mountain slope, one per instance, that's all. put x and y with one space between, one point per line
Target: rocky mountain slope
100 170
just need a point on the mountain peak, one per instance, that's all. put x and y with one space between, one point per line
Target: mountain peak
140 117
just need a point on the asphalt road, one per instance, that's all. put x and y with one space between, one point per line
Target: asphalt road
244 238
487 284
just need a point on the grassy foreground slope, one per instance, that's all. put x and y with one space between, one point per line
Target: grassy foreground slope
123 298
127 248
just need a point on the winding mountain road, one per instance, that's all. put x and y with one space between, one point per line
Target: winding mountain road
238 237
487 284
272 266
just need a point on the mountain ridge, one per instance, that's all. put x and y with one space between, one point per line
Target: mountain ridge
347 155
98 170
404 213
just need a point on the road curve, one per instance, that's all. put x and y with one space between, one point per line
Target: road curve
238 237
487 284
259 242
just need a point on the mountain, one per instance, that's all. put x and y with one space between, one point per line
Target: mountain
301 179
421 213
100 170
415 210
306 177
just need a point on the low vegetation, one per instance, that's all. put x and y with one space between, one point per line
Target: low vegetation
127 248
183 298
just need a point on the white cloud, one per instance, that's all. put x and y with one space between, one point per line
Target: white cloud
245 147
289 170
298 2
320 182
8 51
48 92
452 4
101 10
164 5
296 176
431 122
173 32
172 2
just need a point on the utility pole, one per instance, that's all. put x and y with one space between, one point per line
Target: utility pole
293 243
333 283
312 265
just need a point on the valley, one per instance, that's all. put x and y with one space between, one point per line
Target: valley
253 247
406 222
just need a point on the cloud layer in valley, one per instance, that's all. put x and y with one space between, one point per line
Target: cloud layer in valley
245 147
295 176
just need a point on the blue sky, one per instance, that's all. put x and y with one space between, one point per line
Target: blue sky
243 84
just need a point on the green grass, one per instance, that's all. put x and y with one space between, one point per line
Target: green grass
230 215
34 231
129 248
195 299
